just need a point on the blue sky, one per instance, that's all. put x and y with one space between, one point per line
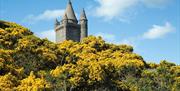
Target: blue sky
152 27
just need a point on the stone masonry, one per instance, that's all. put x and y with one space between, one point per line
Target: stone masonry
69 28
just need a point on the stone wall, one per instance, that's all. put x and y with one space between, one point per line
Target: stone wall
68 32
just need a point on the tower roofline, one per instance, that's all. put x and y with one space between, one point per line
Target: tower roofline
83 15
69 28
70 12
69 1
65 17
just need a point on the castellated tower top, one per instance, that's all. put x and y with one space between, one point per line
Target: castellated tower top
70 28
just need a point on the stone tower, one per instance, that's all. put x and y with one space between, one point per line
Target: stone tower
69 28
83 24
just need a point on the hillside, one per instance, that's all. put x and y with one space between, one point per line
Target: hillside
28 63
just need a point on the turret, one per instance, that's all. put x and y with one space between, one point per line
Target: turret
70 13
64 19
57 23
69 28
83 24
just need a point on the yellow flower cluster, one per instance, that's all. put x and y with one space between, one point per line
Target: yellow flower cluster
28 63
31 83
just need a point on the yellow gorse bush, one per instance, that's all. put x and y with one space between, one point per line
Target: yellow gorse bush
28 63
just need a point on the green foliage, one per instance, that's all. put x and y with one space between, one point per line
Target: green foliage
28 63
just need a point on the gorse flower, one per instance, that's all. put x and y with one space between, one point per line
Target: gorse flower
28 63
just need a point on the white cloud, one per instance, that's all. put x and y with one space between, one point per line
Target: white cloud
46 15
122 9
49 34
158 31
156 3
106 36
111 38
155 32
127 42
113 8
130 41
